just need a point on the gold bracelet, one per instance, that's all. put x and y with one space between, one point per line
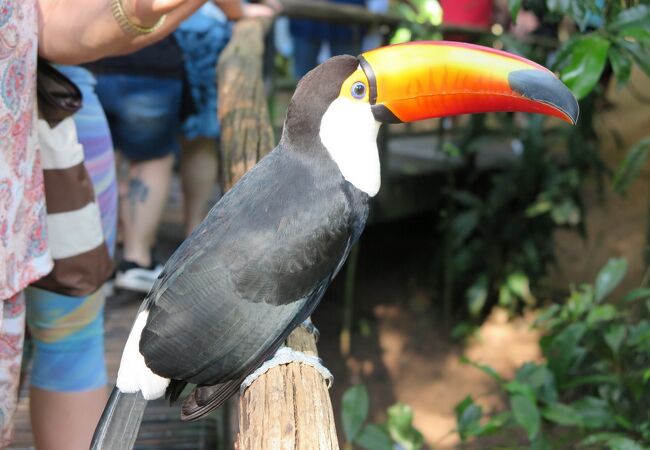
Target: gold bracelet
125 23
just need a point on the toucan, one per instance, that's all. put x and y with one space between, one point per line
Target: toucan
260 262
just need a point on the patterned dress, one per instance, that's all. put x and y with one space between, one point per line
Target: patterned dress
24 255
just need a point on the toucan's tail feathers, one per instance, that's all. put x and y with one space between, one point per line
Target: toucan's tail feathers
120 422
205 399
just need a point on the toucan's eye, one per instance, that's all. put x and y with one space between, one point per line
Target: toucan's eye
358 90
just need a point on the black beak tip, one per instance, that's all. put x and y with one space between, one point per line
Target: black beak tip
545 87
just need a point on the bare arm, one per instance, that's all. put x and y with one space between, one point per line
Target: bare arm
77 31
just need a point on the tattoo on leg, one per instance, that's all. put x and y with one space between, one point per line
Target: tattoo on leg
138 192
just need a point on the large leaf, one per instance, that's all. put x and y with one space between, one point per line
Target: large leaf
374 437
601 313
613 441
354 410
562 414
621 64
526 414
541 379
587 63
476 296
400 427
468 416
637 294
629 168
638 53
639 16
609 277
594 412
614 336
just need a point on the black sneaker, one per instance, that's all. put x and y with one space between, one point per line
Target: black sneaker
135 277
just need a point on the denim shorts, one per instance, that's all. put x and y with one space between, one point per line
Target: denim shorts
143 113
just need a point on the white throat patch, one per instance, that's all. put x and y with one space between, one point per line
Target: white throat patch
348 131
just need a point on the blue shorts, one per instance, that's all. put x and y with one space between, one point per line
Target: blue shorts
143 114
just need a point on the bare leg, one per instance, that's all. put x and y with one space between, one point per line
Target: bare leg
199 174
65 420
12 332
142 201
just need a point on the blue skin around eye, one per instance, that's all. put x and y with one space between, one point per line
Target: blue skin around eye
354 90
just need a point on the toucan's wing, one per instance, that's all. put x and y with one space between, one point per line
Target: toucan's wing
258 264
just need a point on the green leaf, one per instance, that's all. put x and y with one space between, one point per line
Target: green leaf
630 18
400 427
354 410
463 225
621 64
374 437
637 294
562 56
609 277
623 443
476 296
614 336
468 415
587 63
526 414
541 443
562 414
594 412
514 6
595 379
541 206
495 424
519 285
515 387
402 34
629 168
613 441
601 313
486 369
541 379
638 53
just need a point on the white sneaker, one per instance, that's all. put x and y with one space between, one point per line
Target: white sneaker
133 277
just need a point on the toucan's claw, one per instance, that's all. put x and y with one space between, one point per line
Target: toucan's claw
309 326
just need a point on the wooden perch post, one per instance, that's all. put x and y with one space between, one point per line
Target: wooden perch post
246 132
288 407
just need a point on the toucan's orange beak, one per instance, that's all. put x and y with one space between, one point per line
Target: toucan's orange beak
421 80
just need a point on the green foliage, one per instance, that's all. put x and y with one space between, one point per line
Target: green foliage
593 391
396 432
496 229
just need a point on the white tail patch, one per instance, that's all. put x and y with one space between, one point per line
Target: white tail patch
134 375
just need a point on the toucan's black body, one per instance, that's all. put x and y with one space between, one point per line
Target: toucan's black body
262 259
258 264
253 270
